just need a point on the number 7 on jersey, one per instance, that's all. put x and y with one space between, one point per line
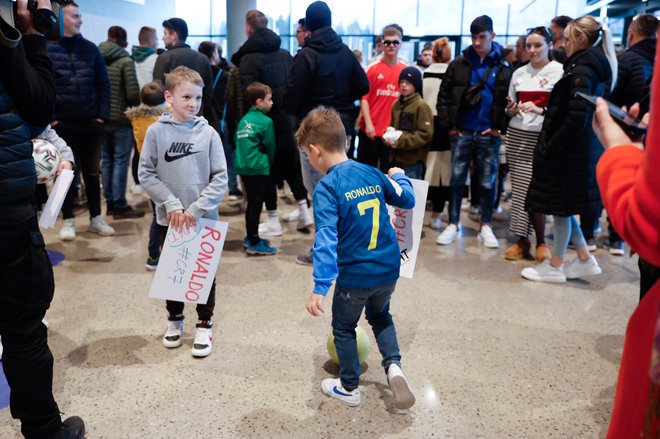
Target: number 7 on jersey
374 204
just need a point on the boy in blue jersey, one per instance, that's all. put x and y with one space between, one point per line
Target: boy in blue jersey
356 246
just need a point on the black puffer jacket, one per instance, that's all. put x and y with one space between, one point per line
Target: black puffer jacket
634 72
81 80
565 158
325 72
457 81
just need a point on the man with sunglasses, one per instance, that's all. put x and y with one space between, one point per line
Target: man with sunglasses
376 106
471 105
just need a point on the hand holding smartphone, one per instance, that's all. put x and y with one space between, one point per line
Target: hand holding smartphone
632 126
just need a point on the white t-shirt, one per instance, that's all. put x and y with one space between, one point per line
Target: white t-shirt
530 84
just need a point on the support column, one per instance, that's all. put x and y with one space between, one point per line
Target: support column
236 10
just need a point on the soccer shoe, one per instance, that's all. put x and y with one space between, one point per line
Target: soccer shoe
68 230
579 268
404 398
97 225
332 387
544 272
202 346
173 333
448 235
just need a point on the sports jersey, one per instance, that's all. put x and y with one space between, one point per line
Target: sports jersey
383 91
533 85
355 242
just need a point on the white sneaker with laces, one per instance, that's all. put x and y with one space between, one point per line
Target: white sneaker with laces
68 230
202 346
292 216
305 219
579 268
544 272
98 225
272 227
448 235
332 387
487 237
404 398
173 334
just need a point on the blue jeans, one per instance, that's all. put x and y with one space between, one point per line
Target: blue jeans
347 306
115 160
228 146
567 230
411 171
485 151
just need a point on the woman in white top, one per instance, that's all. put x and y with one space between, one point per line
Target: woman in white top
529 91
438 161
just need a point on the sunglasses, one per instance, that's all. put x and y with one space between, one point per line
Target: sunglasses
391 42
541 30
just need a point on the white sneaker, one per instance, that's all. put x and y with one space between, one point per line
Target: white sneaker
487 237
305 220
292 216
578 268
136 189
544 272
332 387
404 398
448 235
202 346
435 223
97 225
173 334
270 228
68 230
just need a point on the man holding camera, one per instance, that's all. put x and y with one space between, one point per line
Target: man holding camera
27 99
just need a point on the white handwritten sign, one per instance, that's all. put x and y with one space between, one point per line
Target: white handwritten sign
408 225
188 262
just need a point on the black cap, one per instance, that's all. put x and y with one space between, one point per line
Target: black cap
318 15
177 25
414 76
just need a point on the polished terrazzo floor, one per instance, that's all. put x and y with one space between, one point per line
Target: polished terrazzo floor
489 354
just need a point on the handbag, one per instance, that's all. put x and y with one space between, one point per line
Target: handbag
472 96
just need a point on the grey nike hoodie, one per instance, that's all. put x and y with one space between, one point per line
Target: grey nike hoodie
183 166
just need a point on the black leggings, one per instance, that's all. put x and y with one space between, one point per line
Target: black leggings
257 189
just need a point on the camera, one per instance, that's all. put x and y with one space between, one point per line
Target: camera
44 21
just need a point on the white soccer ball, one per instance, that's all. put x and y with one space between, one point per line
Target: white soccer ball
46 159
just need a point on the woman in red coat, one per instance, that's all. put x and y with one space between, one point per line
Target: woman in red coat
629 183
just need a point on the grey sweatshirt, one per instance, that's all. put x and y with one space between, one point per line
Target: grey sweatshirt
182 166
49 135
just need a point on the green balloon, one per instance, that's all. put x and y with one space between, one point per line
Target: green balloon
363 344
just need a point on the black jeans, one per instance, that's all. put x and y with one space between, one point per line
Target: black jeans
85 139
257 189
26 290
204 310
373 152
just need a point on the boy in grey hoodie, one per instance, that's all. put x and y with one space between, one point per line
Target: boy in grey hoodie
183 170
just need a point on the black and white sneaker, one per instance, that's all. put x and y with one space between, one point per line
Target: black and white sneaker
202 346
173 333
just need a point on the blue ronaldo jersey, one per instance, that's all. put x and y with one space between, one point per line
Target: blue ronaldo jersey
355 242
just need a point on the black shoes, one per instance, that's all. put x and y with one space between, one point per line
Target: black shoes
72 428
126 212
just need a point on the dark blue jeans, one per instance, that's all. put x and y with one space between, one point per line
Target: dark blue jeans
411 171
347 306
485 151
115 160
228 147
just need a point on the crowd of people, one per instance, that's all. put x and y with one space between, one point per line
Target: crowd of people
199 128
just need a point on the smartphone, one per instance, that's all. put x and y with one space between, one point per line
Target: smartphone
633 127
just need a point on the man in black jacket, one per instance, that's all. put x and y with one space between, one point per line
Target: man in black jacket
260 59
471 105
325 72
27 99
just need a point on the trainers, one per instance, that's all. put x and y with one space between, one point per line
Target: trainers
579 268
544 272
152 264
591 245
203 337
332 387
127 212
246 241
136 189
173 333
270 228
435 223
292 216
616 248
68 230
97 225
404 398
448 235
72 428
542 253
307 259
519 250
487 238
261 248
305 220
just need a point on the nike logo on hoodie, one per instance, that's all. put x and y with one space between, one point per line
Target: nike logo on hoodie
179 150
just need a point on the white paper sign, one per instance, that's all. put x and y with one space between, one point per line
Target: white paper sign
188 262
408 225
57 195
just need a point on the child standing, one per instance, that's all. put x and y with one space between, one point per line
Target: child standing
255 151
183 170
354 237
142 117
413 117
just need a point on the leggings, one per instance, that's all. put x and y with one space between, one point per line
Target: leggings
567 230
